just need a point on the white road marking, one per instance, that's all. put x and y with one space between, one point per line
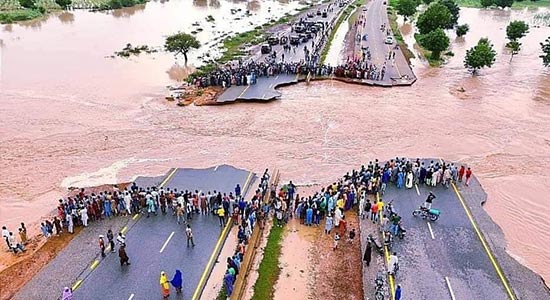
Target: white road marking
417 191
131 297
450 288
166 243
431 231
216 168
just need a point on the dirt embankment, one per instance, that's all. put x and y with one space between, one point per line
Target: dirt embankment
188 95
311 269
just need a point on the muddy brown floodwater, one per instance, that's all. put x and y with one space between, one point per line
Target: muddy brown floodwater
70 117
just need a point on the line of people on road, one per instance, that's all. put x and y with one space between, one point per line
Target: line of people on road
246 215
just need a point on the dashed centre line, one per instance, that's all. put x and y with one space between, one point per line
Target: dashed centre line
450 288
131 297
166 243
417 190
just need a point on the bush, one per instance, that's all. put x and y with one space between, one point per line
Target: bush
27 3
461 30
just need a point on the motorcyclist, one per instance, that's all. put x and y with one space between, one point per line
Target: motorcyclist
394 227
429 200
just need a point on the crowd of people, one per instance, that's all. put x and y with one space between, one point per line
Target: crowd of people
332 202
246 215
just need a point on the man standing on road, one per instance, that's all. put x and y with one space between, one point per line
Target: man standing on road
124 260
121 239
221 215
102 245
189 234
468 176
429 200
398 292
392 265
111 239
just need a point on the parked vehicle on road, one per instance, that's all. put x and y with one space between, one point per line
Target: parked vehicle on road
427 213
375 244
284 40
324 14
266 48
388 40
299 28
318 12
310 15
379 283
294 40
273 40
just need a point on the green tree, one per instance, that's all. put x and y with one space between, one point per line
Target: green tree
545 47
406 8
516 30
504 3
64 3
481 55
435 16
436 41
427 2
461 30
487 3
454 9
27 3
181 43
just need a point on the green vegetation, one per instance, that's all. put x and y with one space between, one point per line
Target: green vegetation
269 270
516 4
116 4
435 16
545 56
435 41
181 43
406 8
63 3
397 34
454 9
345 14
480 56
515 31
461 30
7 17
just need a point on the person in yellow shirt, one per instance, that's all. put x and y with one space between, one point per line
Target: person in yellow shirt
221 215
164 286
380 206
340 203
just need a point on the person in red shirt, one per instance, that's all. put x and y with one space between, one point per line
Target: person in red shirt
468 176
461 173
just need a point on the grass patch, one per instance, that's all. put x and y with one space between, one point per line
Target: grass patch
7 17
392 16
268 272
347 11
222 295
517 4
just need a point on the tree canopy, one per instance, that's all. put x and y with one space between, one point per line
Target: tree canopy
461 30
27 3
406 8
454 9
487 3
63 3
435 16
181 43
481 55
545 47
504 3
516 30
435 41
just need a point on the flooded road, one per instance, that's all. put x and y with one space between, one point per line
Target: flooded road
71 117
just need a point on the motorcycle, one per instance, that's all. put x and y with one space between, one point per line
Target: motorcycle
376 245
379 287
401 232
427 213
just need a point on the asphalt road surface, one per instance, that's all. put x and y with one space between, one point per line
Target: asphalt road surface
442 259
158 244
376 16
264 89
